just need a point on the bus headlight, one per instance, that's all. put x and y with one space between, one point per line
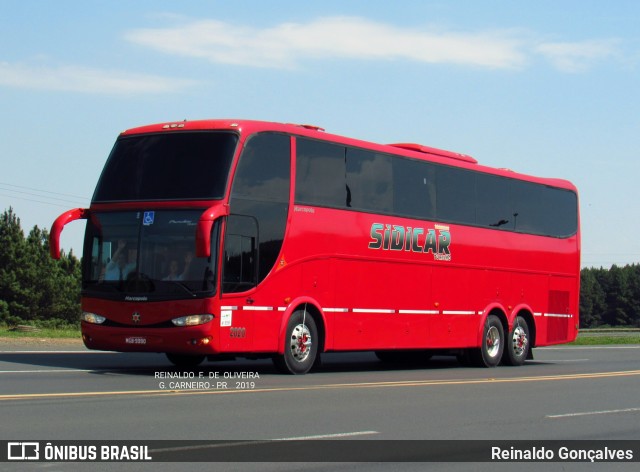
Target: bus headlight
192 320
92 318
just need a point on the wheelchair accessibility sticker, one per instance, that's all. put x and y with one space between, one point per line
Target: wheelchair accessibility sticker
147 219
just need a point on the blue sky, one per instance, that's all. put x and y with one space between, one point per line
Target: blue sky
546 88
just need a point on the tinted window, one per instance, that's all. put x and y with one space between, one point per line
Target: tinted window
263 170
414 188
563 210
320 174
456 191
260 195
369 181
539 209
167 166
395 185
240 254
494 206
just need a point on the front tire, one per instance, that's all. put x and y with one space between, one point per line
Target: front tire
518 344
301 345
490 352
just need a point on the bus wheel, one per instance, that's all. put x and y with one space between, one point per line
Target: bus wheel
490 351
184 360
517 343
301 343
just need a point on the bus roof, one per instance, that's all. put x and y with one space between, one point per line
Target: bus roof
412 150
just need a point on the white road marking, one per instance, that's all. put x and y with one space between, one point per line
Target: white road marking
264 441
564 360
590 413
45 371
329 436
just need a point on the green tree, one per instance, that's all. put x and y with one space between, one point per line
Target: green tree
633 280
55 284
13 294
617 297
592 299
33 286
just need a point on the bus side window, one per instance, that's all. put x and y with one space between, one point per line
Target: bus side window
240 254
321 174
261 191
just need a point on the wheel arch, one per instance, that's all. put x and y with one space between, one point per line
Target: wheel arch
312 308
497 310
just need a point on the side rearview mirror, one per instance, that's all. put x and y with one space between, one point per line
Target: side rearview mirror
203 231
58 226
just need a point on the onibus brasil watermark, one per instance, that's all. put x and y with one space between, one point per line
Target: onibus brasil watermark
320 449
63 451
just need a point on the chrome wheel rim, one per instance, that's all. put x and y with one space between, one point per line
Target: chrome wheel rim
520 341
300 343
492 341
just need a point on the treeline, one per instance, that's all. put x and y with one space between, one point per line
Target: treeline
36 289
610 297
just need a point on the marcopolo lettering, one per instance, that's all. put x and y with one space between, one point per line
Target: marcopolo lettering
436 241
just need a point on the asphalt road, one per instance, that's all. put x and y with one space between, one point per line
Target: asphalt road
66 392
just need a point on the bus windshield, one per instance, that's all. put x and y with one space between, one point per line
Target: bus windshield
167 166
146 254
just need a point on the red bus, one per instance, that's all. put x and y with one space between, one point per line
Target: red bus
222 238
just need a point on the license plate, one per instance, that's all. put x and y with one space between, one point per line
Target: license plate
135 340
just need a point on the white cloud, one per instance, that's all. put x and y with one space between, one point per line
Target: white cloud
287 44
578 56
85 80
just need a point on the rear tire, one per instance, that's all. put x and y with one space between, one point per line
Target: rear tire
518 346
490 352
301 345
185 360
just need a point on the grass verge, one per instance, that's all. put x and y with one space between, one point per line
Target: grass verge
606 340
43 333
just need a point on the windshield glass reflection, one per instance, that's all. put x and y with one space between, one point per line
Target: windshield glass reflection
146 253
